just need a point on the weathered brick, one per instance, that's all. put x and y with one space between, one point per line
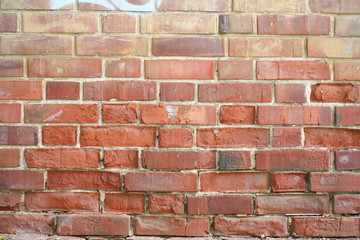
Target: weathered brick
10 201
347 204
65 67
121 159
348 115
119 113
177 160
161 181
347 71
9 158
235 69
293 70
62 90
338 6
129 5
235 92
290 93
234 160
10 23
18 135
166 203
112 46
124 68
176 137
174 226
286 137
266 47
274 226
177 91
236 114
195 5
35 45
62 201
120 90
62 158
347 160
27 223
332 138
85 180
59 135
220 204
86 224
335 92
21 90
21 180
347 26
125 202
294 25
333 47
335 182
119 23
236 23
233 137
118 136
178 114
37 5
179 69
10 113
11 67
179 23
234 182
293 6
289 182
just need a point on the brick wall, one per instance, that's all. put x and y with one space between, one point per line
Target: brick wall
188 118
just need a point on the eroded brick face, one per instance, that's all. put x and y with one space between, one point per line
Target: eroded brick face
179 119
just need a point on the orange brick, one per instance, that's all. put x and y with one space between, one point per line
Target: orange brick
121 159
166 203
59 135
176 137
120 113
335 92
125 202
236 114
119 23
289 182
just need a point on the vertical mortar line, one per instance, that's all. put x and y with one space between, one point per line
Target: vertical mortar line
20 21
332 25
102 201
100 20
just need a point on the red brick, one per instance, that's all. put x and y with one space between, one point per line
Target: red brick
120 90
85 180
290 93
166 203
124 68
21 90
27 223
121 159
347 204
188 46
61 113
21 180
235 69
292 115
289 182
266 47
292 204
62 90
117 136
234 160
332 47
178 160
293 159
59 135
236 23
346 71
251 226
65 67
178 114
179 69
179 23
18 135
173 226
36 5
120 113
62 201
236 114
112 46
325 227
335 182
348 115
35 45
196 5
62 158
339 6
9 157
347 160
10 23
293 70
220 204
335 92
59 23
294 25
291 6
10 201
235 92
332 138
347 26
177 91
176 137
10 113
161 182
233 137
125 203
286 137
11 67
91 224
234 182
119 23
